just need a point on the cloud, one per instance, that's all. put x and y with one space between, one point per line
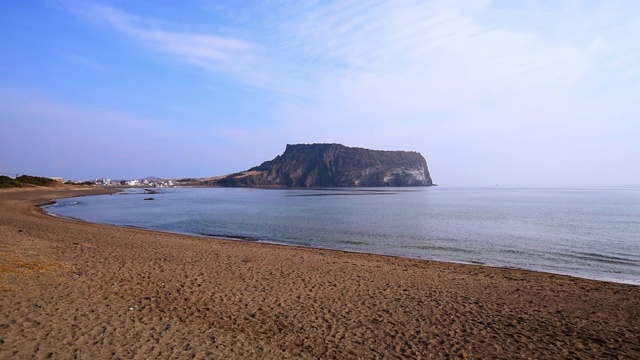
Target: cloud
509 88
632 73
494 100
389 63
227 55
87 63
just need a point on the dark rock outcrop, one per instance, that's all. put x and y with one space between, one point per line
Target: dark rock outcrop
333 165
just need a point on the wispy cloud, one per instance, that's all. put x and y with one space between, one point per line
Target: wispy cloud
426 75
227 55
87 62
632 72
479 82
382 60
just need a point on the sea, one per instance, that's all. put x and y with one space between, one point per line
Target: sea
587 233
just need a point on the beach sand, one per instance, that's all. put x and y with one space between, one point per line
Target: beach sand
70 289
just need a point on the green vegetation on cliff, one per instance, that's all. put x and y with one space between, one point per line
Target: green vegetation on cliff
25 180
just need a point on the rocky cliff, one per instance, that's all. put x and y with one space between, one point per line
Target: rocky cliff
333 165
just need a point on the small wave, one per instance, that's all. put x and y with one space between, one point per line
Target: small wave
617 280
601 258
223 236
351 242
59 204
439 248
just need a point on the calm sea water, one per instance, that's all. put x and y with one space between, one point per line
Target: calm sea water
590 233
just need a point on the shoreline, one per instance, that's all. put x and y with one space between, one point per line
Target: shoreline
90 290
604 277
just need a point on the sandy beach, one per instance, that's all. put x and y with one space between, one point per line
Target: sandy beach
70 289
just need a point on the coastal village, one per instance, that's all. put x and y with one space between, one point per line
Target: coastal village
147 182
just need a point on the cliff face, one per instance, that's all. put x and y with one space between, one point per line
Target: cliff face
333 165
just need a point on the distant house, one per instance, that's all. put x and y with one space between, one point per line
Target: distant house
103 181
58 179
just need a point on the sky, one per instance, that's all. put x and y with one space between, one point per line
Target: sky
505 92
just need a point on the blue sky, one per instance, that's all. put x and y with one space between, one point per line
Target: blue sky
510 93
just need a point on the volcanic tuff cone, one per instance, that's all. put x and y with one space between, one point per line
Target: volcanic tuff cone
333 165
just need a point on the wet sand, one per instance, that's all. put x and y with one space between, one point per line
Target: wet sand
72 289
